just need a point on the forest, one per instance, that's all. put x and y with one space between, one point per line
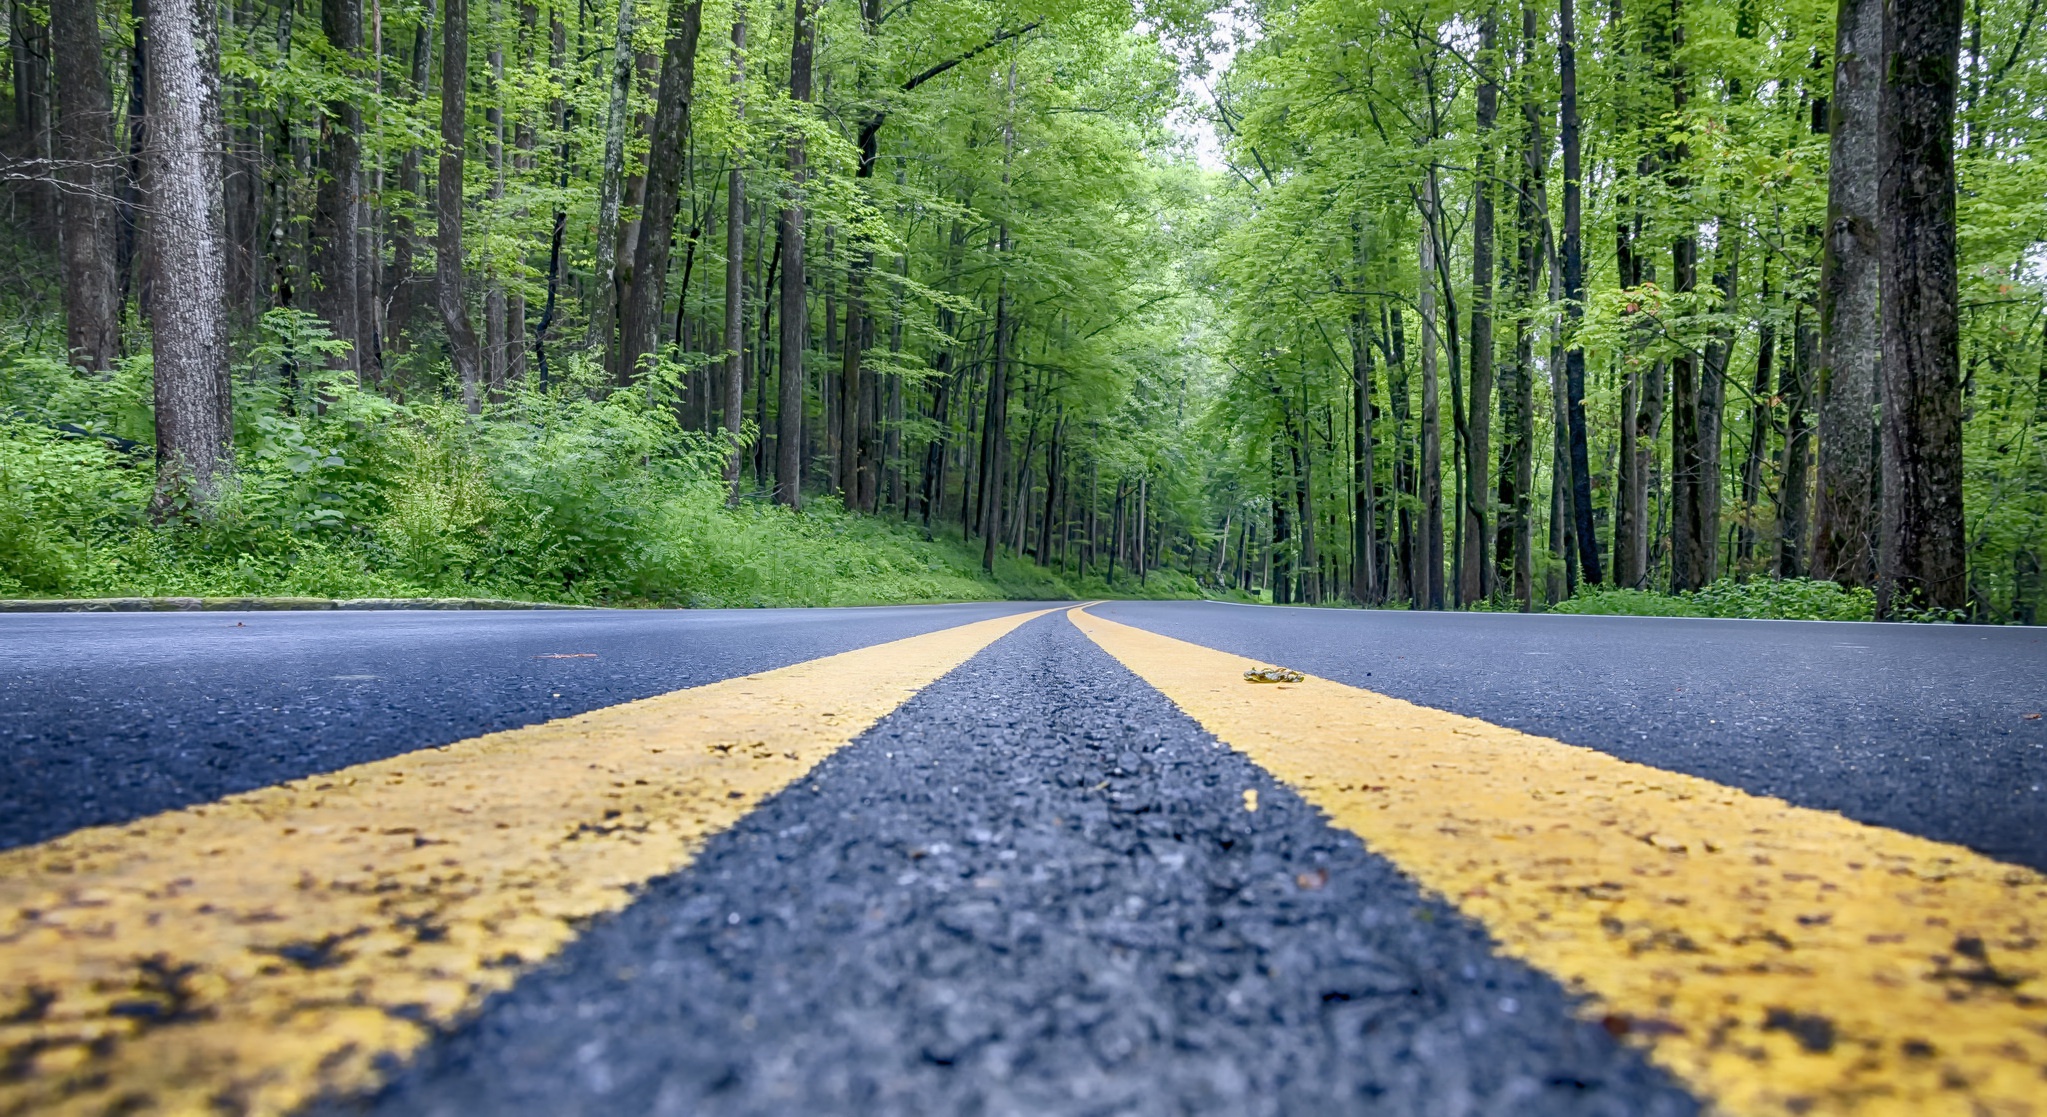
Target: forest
1698 306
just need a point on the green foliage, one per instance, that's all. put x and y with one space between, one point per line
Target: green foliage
547 498
1788 599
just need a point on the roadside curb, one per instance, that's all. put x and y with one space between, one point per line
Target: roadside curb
259 604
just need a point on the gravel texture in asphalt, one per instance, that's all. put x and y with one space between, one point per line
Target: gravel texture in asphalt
109 717
1037 888
1921 728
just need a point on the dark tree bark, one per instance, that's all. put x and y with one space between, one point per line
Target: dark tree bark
735 275
995 433
1364 577
1794 497
1477 565
463 348
87 161
336 230
1851 335
1688 532
611 186
794 322
188 234
1574 296
401 290
647 293
1923 560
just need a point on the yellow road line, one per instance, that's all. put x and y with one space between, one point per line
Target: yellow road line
246 955
1778 960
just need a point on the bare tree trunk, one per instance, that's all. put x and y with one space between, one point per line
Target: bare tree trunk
794 323
188 232
735 274
1923 559
85 145
1364 577
448 294
336 231
1851 334
670 133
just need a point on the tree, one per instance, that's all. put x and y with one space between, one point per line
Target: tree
463 349
337 240
86 198
187 231
1850 328
794 328
1922 561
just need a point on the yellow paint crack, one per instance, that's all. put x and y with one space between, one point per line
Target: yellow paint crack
1778 960
246 955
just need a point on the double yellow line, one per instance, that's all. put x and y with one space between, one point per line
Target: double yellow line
250 954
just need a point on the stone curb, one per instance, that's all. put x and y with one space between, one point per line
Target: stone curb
257 604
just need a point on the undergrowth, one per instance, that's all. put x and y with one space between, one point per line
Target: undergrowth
582 495
1792 599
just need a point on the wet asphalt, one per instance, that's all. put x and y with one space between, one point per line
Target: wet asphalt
1035 888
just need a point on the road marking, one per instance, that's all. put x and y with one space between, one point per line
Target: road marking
249 954
1778 960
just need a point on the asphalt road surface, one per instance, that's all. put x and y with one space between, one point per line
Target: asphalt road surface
1055 880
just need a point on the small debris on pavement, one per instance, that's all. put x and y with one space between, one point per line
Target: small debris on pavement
1273 675
1251 799
567 655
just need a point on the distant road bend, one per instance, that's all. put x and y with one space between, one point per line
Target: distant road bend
1014 859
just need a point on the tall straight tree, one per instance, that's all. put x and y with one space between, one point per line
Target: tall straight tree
735 269
463 349
85 201
1851 334
647 293
1477 566
1573 274
1922 561
337 239
611 184
188 250
794 324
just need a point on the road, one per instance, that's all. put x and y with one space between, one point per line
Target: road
1013 859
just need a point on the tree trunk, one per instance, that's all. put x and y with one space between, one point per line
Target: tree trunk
401 291
1758 425
188 234
1429 588
611 185
1574 296
1364 577
1688 532
668 147
1478 569
85 146
1794 502
336 235
995 434
735 272
448 295
795 326
1923 560
1851 334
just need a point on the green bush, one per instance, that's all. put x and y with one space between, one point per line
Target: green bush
1794 599
585 495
